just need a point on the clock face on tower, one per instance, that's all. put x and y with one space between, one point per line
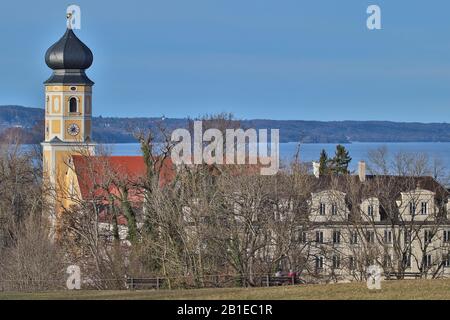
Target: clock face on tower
73 129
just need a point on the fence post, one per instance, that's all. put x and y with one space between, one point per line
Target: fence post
157 283
267 281
293 280
132 284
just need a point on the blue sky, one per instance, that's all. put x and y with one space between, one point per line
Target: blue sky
285 59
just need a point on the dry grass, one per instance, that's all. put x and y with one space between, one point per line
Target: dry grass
392 290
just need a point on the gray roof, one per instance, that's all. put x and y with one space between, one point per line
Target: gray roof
69 77
69 57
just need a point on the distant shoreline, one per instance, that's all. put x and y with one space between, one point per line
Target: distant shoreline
30 123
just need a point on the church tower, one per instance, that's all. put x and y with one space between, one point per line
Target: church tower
68 111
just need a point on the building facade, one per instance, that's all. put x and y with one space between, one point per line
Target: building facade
399 223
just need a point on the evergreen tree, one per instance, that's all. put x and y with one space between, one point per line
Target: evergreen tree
323 161
341 160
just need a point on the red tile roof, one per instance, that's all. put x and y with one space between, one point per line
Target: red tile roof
100 176
97 172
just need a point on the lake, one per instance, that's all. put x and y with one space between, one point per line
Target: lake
309 152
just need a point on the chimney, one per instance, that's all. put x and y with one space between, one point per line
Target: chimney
316 169
362 171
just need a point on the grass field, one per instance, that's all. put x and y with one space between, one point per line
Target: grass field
392 290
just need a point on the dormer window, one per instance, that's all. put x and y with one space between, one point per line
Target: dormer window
73 105
370 211
424 208
412 208
334 209
322 209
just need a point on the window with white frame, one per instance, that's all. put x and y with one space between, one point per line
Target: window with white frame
319 236
370 210
336 260
336 237
446 259
406 260
387 236
370 237
446 236
322 208
319 262
353 237
351 263
412 208
407 237
428 236
427 260
334 209
303 237
387 261
424 208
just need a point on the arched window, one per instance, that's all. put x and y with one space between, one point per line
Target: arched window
73 105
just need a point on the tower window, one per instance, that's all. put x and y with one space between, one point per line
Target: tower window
73 105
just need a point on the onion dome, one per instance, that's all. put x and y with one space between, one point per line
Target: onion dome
69 57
